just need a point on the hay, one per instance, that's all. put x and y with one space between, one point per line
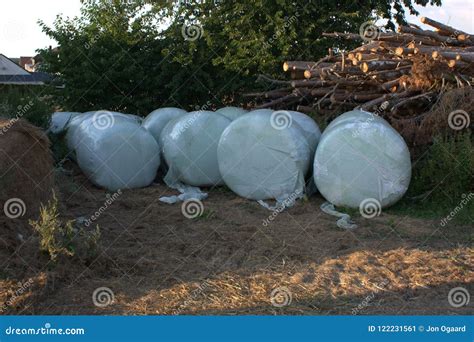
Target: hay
26 168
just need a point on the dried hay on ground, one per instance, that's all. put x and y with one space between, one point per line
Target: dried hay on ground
156 261
26 166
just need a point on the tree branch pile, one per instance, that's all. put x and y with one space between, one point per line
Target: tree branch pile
396 74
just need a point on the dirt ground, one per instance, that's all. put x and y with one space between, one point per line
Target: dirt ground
157 261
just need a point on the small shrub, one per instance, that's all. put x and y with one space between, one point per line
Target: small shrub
26 103
446 170
442 178
62 238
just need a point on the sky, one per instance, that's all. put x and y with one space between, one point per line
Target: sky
20 34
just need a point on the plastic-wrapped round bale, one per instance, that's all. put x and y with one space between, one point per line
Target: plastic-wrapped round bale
261 160
309 127
102 118
232 113
190 148
362 160
60 121
157 120
122 155
72 128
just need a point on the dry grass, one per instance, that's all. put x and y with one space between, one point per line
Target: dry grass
156 261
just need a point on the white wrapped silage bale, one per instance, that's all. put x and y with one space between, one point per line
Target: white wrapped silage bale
72 128
117 155
60 121
157 120
101 118
232 113
362 162
308 126
190 148
264 156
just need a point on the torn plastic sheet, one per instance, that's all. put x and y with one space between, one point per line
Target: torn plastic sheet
344 221
199 195
283 202
187 191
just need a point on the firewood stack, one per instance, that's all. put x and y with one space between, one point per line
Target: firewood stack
405 71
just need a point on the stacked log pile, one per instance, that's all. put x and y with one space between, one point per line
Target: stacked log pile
396 74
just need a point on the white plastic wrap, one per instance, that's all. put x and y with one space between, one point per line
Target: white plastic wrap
102 118
60 121
309 127
165 132
260 159
157 120
190 148
360 159
232 113
121 155
72 128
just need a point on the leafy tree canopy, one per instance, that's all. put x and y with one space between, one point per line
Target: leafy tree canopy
136 55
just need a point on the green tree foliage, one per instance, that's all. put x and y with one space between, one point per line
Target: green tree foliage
134 56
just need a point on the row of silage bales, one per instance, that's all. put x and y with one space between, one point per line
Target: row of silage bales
260 155
250 152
